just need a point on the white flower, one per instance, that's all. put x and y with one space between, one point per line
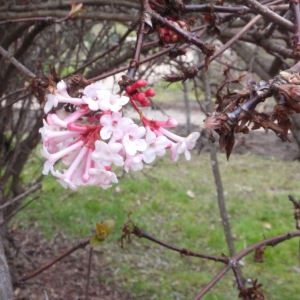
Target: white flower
134 162
94 97
60 94
90 91
113 103
156 146
51 100
53 158
191 140
101 177
98 97
184 146
114 125
108 153
73 176
133 141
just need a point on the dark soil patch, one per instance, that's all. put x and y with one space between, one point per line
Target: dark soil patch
66 280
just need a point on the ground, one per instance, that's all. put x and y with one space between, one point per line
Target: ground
67 279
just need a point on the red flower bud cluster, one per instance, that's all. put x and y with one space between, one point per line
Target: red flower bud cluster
140 97
168 36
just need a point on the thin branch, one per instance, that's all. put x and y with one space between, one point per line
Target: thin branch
147 59
210 8
80 245
134 63
239 10
11 94
273 241
269 14
237 275
65 3
14 101
214 281
52 14
230 42
142 234
88 275
29 191
109 50
295 6
218 179
16 63
122 69
296 210
16 211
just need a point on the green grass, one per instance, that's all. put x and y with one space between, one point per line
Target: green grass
256 191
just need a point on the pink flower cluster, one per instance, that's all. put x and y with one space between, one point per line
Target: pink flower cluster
88 140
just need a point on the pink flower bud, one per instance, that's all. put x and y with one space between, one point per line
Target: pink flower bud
145 103
172 122
140 97
138 84
150 92
169 146
128 89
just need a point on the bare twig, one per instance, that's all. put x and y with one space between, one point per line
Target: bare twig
11 94
109 50
80 245
16 63
273 241
29 191
296 210
134 63
218 180
16 211
212 283
230 42
142 234
295 6
269 14
239 10
216 173
88 275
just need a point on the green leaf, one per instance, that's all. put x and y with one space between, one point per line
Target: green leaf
95 242
104 229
